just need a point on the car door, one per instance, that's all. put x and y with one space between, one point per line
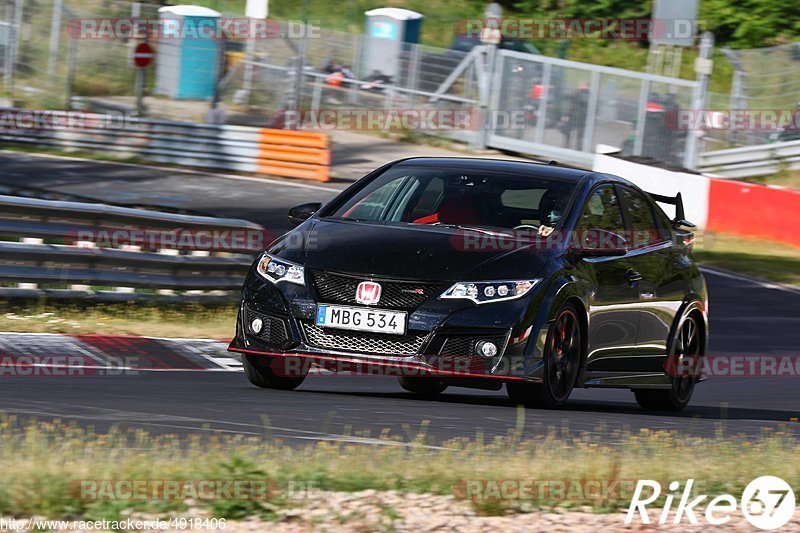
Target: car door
652 253
613 300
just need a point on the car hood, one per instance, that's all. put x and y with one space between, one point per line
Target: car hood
408 251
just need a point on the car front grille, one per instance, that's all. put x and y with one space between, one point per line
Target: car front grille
273 331
395 294
363 342
464 346
455 346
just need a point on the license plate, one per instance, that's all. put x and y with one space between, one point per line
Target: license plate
361 319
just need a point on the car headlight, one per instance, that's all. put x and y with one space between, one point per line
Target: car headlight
484 292
275 270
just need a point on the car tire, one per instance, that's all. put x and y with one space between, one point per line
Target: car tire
423 386
562 360
687 347
260 370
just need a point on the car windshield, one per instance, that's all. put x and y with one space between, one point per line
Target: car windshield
475 199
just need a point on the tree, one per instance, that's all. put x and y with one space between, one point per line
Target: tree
751 23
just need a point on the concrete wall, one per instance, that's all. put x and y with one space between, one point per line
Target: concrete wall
694 188
716 204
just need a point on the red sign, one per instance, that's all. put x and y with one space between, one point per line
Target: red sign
143 55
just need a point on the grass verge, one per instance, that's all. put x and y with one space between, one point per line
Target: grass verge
43 463
755 257
190 321
786 178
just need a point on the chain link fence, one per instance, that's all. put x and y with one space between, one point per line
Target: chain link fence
335 74
764 79
50 65
570 108
562 109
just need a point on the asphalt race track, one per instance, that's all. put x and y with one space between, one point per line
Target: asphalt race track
264 202
746 318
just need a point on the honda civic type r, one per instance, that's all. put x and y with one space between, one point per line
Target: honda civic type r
482 273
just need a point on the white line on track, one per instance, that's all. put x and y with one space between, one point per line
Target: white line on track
747 279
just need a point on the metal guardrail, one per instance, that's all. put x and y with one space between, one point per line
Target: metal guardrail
747 161
259 150
72 250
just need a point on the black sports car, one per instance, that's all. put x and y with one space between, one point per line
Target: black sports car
479 272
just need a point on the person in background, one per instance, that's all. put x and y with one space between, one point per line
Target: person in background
573 118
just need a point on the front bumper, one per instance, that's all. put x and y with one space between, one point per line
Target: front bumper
440 340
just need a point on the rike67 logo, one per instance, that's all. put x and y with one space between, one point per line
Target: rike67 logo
767 503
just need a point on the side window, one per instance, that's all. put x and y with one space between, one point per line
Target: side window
602 211
639 212
664 224
374 205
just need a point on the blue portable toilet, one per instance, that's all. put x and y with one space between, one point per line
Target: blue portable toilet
389 31
188 54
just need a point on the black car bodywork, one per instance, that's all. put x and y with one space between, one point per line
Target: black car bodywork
617 306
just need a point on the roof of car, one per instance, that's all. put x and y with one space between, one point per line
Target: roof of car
541 170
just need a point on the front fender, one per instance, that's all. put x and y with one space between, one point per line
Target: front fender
563 288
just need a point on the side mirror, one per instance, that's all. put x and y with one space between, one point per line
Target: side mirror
300 213
598 243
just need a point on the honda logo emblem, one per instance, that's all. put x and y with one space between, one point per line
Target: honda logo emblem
368 293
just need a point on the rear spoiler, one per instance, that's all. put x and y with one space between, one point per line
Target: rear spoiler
677 201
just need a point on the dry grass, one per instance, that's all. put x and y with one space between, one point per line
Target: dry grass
194 321
39 461
787 178
752 256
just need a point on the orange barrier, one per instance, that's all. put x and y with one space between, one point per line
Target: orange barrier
294 154
754 211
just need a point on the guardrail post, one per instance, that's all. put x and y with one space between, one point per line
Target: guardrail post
167 251
29 240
